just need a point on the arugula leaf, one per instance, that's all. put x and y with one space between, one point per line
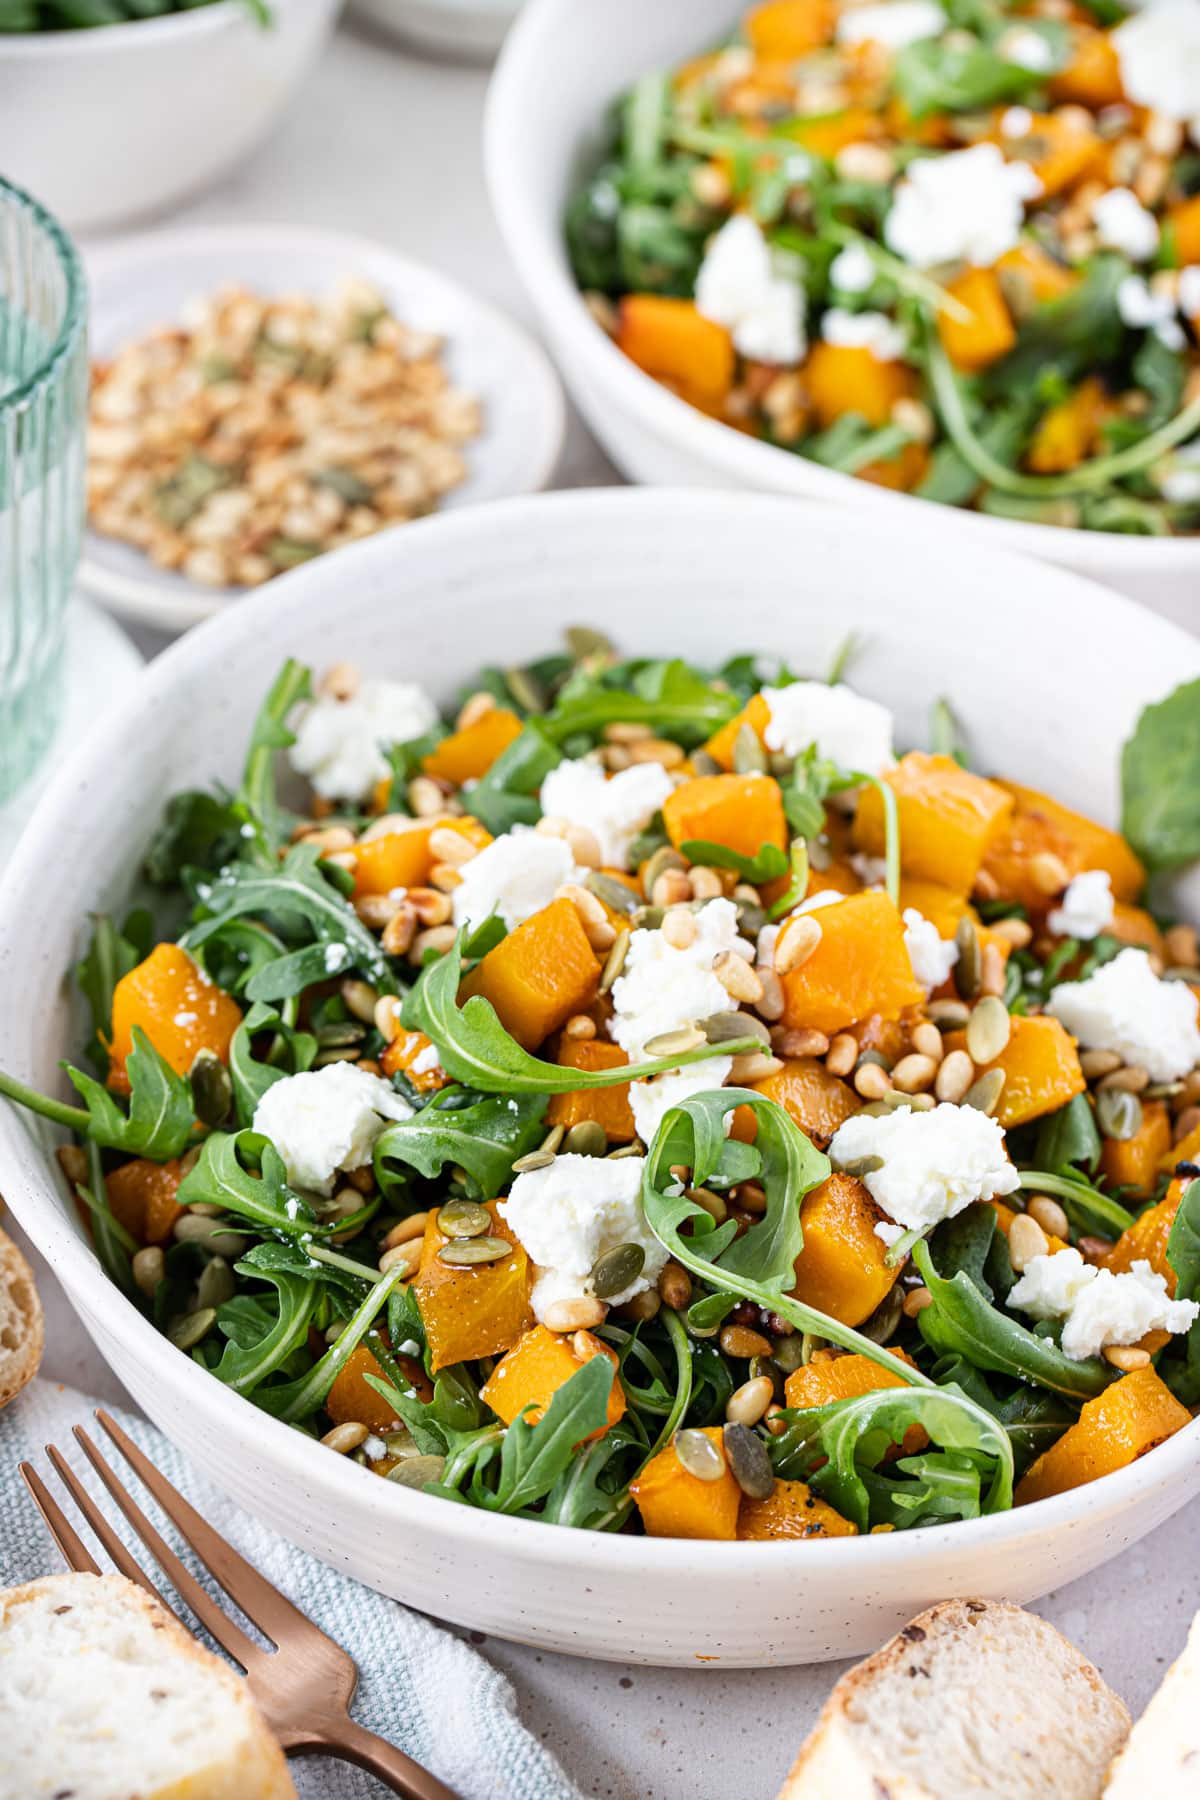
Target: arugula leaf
769 862
533 1457
935 76
1183 1243
1160 777
484 1137
1068 1139
506 795
1087 1208
247 1362
474 1047
251 1079
670 697
591 1494
1033 1418
299 1398
161 1115
270 733
224 1176
198 830
965 1242
110 955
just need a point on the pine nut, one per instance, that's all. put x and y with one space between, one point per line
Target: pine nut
426 797
915 1301
705 883
149 1265
574 1315
579 1028
1048 873
449 846
1095 1063
73 1163
406 1231
770 1001
619 732
954 1077
675 1286
1017 932
843 1053
445 877
751 1197
796 943
737 977
1185 1124
615 757
345 1438
927 1041
643 1307
430 907
397 940
473 709
340 681
739 1341
679 928
600 934
584 846
1126 1357
658 750
775 1421
671 888
387 1016
585 1346
1026 1239
1131 1080
361 1000
1183 949
913 1074
752 1066
376 910
991 971
439 939
713 1204
872 1082
748 1404
405 1256
1049 1215
806 1042
329 837
385 825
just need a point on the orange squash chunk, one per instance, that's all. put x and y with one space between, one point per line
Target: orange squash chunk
1146 1239
791 1511
782 30
1005 1216
352 1399
407 1049
181 1011
1133 1162
1037 270
1041 1070
1066 433
1037 824
841 1378
817 1101
948 818
825 135
846 378
860 966
536 1367
472 1312
1092 77
539 974
675 1504
402 858
672 340
742 812
942 906
756 713
1184 221
902 472
1064 149
1133 925
989 333
841 1269
1187 1150
1127 1419
467 754
608 1106
141 1195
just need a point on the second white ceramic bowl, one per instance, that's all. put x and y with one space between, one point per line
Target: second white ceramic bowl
1047 673
540 132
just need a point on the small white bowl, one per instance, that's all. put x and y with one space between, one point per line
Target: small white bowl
1047 673
145 281
112 124
537 135
472 30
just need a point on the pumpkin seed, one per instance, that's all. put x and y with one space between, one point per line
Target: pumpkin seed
417 1471
877 1057
400 1443
648 918
342 1031
968 969
634 1149
988 1029
525 689
789 1352
723 1028
553 1138
212 1089
674 1043
749 757
345 484
948 1015
1118 1113
881 1326
698 1455
616 1270
768 1366
615 895
664 858
193 1228
1163 1090
615 960
216 1283
464 1219
751 920
186 1331
984 1094
343 1053
859 1166
537 1159
704 764
464 1252
583 641
779 763
588 1138
747 1457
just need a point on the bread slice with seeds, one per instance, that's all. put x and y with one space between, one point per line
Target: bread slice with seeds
22 1329
1161 1761
975 1697
105 1696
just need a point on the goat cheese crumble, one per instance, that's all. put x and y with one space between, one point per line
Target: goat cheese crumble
1144 310
516 876
613 808
570 1213
1124 224
1158 50
846 728
893 24
852 270
339 743
872 331
1086 908
933 1163
1028 48
965 206
739 286
932 956
1178 476
1124 1007
327 1120
1097 1306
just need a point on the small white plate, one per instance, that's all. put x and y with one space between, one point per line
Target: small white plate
140 282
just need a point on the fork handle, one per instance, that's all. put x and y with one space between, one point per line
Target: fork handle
349 1742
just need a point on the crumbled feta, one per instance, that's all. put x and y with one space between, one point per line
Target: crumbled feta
1159 55
374 1448
426 1061
340 743
893 23
573 1211
326 1120
1145 310
1124 224
931 955
662 988
613 808
1086 908
1016 122
1124 1007
516 876
852 270
1178 476
739 286
871 870
1028 49
872 331
965 206
1097 1306
652 1100
934 1163
848 729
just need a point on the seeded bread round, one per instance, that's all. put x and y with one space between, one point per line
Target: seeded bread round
22 1327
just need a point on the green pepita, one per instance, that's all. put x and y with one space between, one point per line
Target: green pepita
583 641
789 1352
674 1043
616 1270
698 1455
984 1094
196 1228
186 1331
465 1252
212 1089
988 1029
615 895
216 1284
749 757
751 919
537 1159
615 960
747 1457
704 764
859 1166
948 1015
340 1033
525 689
464 1219
417 1471
648 918
345 484
723 1028
1118 1113
588 1138
968 970
768 1366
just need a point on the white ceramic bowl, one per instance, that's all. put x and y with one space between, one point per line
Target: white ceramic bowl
1046 671
539 133
470 30
141 282
116 123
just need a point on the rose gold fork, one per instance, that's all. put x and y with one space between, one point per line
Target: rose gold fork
303 1686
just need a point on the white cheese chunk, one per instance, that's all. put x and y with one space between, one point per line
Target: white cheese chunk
340 743
327 1120
852 270
894 23
613 808
1099 1307
1027 48
662 988
1158 50
847 728
1124 224
1145 310
1086 908
570 1213
516 876
932 956
873 331
739 285
1124 1007
965 206
652 1100
934 1163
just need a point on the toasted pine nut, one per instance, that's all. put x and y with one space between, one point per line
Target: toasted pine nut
643 1307
73 1163
406 1231
1094 1249
770 1001
737 977
775 1421
802 1042
439 938
1048 873
574 1315
705 883
445 877
340 681
1185 1124
872 1082
1127 1081
738 1340
915 1301
991 970
671 888
752 1066
579 1027
1183 951
599 932
426 797
330 837
1026 1239
398 935
679 928
1095 1063
796 943
430 906
387 1015
842 1055
1017 932
748 1404
376 910
913 1074
347 1437
675 1286
584 846
621 733
449 846
473 709
1049 1215
361 999
406 1256
1126 1357
659 750
927 1041
954 1077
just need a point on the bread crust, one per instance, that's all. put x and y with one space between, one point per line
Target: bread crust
22 1324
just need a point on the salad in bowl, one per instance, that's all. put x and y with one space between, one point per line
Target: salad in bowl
645 1101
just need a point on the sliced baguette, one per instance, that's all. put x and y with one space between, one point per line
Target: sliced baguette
22 1328
104 1696
974 1697
1161 1760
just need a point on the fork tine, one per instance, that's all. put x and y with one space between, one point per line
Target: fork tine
121 1556
224 1629
68 1540
258 1598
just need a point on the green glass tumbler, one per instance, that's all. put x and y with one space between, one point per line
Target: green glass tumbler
43 422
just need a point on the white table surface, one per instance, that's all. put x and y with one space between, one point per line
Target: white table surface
388 145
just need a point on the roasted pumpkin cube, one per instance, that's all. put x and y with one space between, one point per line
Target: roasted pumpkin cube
401 858
352 1399
672 341
413 1054
861 966
1041 1070
756 714
791 1511
841 1378
1130 1417
742 812
181 1011
948 817
470 752
142 1194
824 134
607 1106
815 1100
537 1366
783 30
1133 925
988 333
475 1311
847 378
1146 1239
1092 76
842 1269
675 1504
1066 433
539 974
1133 1162
1036 825
1061 148
1034 273
1187 1151
902 472
1184 221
